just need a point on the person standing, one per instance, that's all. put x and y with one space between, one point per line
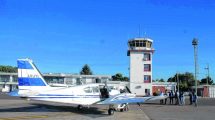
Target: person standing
183 96
182 99
195 99
191 97
171 97
176 97
161 94
165 94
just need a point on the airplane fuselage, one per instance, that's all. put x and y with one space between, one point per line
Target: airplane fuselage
82 94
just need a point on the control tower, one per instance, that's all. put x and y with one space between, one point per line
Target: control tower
140 51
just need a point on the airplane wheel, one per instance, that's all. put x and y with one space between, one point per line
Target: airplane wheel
110 111
121 110
126 108
80 107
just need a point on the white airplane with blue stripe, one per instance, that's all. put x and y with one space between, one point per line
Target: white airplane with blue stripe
32 86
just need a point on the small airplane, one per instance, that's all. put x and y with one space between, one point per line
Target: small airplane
31 85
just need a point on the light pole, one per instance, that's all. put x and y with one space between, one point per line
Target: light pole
195 45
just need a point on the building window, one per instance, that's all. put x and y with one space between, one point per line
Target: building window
147 79
137 87
137 43
147 67
147 57
15 78
4 78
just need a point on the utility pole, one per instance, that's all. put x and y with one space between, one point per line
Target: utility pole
195 45
177 81
208 77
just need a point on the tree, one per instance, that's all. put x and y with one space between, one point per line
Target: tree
119 77
186 80
161 80
86 70
204 81
8 69
125 79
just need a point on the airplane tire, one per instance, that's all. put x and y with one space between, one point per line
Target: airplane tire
80 107
126 108
110 111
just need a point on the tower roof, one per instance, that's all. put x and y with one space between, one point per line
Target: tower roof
141 39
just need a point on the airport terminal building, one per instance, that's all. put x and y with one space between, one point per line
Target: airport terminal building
10 80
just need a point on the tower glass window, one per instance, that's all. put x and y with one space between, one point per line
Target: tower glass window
137 43
147 67
147 57
147 79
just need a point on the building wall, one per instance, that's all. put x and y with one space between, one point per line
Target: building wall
212 91
137 73
205 91
158 89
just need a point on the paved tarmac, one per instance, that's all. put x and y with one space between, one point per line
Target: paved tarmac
204 111
18 109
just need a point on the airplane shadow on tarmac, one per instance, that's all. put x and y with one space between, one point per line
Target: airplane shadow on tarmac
39 107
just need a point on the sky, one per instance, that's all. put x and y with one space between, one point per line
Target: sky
63 35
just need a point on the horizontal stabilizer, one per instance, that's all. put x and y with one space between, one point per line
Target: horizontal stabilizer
13 93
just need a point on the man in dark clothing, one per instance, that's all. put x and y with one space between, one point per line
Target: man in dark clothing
171 97
191 98
176 97
195 99
165 98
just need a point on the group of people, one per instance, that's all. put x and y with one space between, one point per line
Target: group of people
178 98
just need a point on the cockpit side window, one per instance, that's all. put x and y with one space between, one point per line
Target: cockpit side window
95 89
88 90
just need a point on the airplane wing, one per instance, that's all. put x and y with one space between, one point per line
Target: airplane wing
157 97
129 98
123 98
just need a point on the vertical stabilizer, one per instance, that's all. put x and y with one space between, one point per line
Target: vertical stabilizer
29 77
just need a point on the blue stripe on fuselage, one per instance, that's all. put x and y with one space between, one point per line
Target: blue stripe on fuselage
24 65
31 82
64 96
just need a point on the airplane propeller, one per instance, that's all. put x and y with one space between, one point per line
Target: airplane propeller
129 91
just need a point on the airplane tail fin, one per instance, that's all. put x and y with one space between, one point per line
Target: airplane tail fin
29 77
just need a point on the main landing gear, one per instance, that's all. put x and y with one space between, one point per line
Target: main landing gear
79 107
111 110
121 107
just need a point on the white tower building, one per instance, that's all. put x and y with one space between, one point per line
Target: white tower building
140 52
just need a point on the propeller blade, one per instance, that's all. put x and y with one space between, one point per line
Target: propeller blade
129 91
